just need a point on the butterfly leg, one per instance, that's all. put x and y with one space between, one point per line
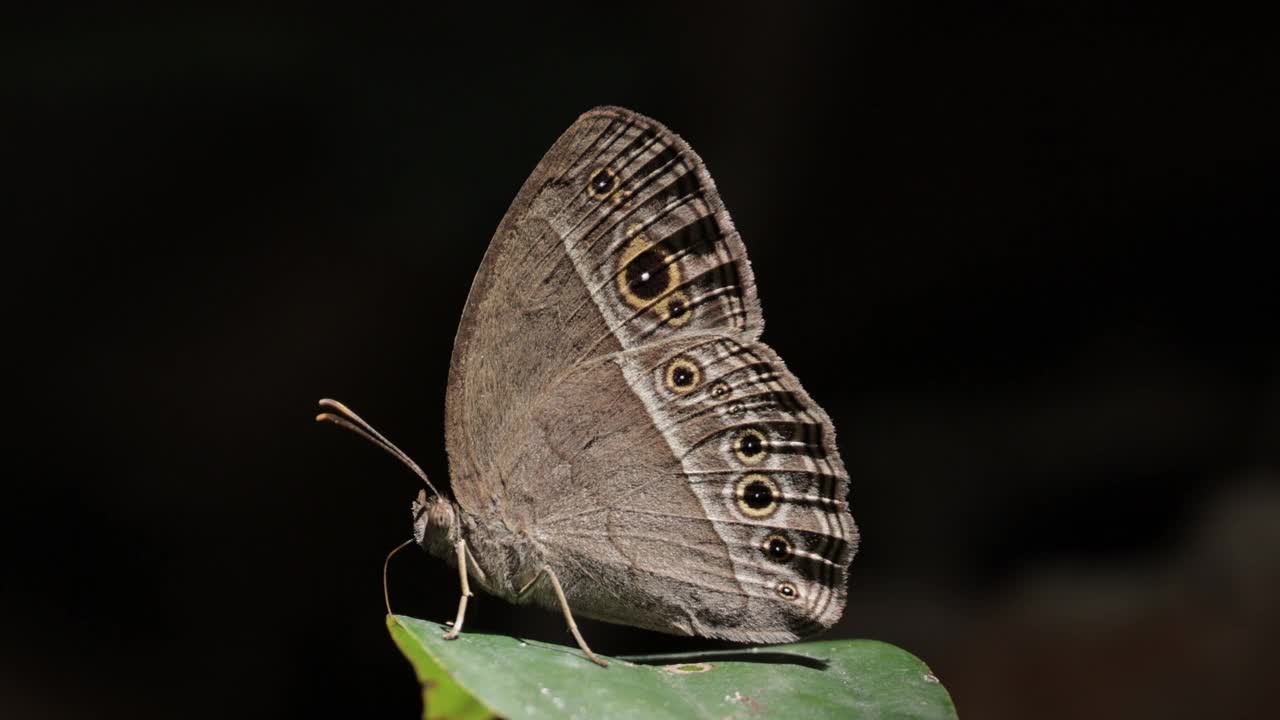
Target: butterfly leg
564 605
461 548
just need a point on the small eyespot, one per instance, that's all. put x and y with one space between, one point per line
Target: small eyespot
602 183
720 389
787 591
777 548
757 495
683 376
750 446
676 309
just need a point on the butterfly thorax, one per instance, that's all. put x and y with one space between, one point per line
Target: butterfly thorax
506 559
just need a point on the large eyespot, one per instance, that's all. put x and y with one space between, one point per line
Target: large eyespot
602 183
683 376
750 446
720 390
645 276
777 548
757 495
787 591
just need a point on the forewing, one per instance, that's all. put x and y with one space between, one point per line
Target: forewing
617 239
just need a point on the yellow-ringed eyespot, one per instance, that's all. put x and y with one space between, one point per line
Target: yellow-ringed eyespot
645 275
675 309
757 495
787 591
750 446
720 389
683 376
777 548
602 183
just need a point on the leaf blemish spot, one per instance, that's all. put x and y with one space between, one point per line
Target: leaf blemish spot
554 700
930 678
688 668
745 700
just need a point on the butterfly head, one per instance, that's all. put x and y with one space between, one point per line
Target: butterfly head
435 524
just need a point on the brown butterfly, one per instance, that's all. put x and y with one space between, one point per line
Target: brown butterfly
621 444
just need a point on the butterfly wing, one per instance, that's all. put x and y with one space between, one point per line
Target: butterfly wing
715 505
608 394
617 238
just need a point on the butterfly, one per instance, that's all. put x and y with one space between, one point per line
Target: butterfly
621 444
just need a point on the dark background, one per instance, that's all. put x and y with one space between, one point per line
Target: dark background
1021 257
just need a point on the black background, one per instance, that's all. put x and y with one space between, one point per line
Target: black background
1021 257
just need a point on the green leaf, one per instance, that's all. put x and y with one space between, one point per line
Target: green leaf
482 676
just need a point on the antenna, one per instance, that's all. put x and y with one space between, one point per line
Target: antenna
348 419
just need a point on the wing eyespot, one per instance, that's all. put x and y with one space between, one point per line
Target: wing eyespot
683 376
777 548
674 309
602 183
757 495
751 446
645 275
